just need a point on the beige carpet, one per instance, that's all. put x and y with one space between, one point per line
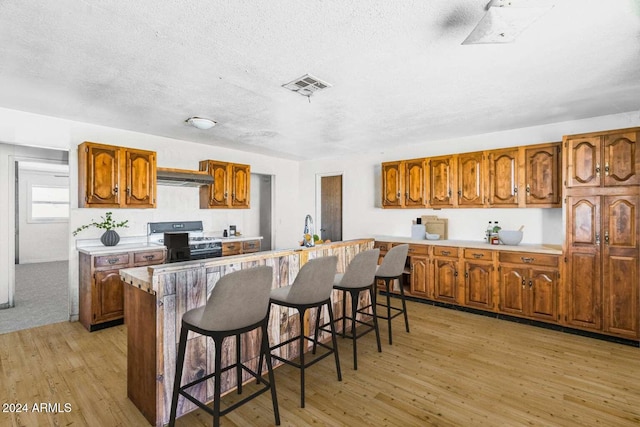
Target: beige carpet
42 296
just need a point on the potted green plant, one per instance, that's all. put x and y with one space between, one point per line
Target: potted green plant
110 237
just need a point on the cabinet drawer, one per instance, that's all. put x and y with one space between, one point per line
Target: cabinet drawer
445 251
148 257
529 258
249 246
478 254
383 246
418 250
115 260
231 248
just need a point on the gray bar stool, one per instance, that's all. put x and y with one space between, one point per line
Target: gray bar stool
311 288
239 303
391 269
359 277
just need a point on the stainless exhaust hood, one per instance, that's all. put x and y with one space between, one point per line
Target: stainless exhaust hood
183 177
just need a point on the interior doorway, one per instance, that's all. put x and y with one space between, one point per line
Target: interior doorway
330 206
261 223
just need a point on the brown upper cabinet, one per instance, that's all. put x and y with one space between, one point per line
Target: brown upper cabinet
527 176
115 177
230 188
403 184
602 159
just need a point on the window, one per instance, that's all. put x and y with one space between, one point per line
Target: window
48 204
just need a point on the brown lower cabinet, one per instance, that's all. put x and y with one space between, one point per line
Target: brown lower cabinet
530 285
101 296
240 247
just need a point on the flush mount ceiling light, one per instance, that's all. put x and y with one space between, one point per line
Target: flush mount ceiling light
200 122
306 85
506 19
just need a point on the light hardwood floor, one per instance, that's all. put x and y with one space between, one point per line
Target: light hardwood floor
453 369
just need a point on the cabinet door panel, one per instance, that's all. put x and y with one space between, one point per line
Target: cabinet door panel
512 289
503 178
543 285
584 290
419 271
215 195
542 175
103 175
621 160
583 221
391 184
445 280
109 300
414 183
140 178
584 165
620 252
240 185
440 181
471 179
478 285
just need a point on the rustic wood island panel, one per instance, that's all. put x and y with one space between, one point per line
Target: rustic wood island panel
156 298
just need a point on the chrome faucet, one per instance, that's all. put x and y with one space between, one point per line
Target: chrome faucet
308 230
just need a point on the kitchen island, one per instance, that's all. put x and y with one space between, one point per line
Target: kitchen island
156 297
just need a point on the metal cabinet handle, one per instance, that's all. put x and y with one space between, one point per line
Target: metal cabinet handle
477 256
598 169
515 190
149 257
606 169
466 274
597 238
115 190
398 194
527 259
445 253
455 274
523 283
128 191
606 237
112 260
528 190
530 283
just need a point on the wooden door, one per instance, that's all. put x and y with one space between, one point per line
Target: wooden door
542 176
140 178
392 185
478 284
621 160
583 285
419 275
215 195
100 171
240 176
441 184
109 296
584 163
620 264
331 208
543 294
471 176
445 278
513 288
503 178
414 183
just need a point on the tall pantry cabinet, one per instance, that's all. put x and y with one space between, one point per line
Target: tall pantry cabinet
602 249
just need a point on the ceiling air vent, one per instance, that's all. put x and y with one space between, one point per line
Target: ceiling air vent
306 85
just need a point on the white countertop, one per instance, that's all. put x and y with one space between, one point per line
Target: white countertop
475 244
137 243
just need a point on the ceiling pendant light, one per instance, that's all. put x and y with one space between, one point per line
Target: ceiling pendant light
200 122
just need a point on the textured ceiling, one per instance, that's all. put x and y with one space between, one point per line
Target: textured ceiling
398 71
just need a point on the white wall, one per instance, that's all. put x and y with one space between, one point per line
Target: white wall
362 215
40 242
